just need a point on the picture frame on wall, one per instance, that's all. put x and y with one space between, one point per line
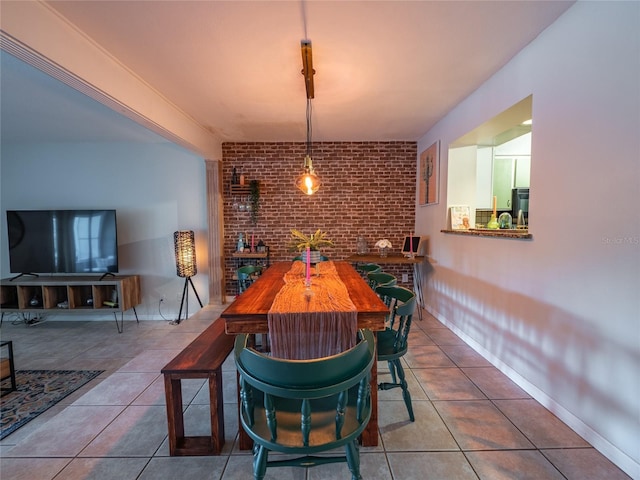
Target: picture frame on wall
429 175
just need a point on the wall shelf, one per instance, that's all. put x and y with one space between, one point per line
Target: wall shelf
511 233
237 189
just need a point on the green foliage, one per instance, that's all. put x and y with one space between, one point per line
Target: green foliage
315 241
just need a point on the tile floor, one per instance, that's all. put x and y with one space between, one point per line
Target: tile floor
471 421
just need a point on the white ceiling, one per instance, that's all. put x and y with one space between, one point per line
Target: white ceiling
385 70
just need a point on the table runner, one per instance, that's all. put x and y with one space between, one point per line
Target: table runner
312 322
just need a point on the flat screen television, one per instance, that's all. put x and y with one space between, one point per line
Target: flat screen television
62 241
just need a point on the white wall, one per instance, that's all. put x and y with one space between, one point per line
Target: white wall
156 189
463 179
560 314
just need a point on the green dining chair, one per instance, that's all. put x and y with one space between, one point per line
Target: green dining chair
304 407
366 268
246 275
393 341
377 279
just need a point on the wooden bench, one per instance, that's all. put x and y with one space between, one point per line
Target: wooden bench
202 358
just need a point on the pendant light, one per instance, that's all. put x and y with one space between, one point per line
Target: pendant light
308 181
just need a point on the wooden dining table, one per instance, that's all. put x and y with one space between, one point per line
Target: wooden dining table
248 314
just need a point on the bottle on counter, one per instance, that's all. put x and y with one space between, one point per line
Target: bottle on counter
361 246
240 247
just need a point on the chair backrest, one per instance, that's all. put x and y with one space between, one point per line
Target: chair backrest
368 267
377 279
286 404
244 275
402 303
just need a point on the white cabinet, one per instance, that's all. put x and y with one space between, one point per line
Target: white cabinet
484 181
522 170
503 176
500 169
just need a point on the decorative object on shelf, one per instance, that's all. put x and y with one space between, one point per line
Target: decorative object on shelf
254 202
308 182
520 222
240 245
185 249
383 245
412 252
505 221
307 281
234 177
429 173
460 217
314 242
361 246
493 222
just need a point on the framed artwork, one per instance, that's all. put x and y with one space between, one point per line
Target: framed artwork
429 174
460 217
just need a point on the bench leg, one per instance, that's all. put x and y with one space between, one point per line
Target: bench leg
175 419
179 444
216 410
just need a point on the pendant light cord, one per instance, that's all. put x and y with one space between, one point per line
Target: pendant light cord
309 112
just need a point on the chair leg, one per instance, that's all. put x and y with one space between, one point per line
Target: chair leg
353 459
260 455
405 389
392 370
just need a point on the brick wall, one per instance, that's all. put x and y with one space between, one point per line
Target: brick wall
368 189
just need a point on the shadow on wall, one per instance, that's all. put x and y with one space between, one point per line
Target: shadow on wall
570 359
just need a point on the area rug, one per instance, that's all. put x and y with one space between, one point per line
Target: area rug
37 391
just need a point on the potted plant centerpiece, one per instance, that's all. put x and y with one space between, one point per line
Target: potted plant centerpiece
314 242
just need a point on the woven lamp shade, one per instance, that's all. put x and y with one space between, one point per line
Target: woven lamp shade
185 247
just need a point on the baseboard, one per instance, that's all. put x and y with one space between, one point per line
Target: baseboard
619 458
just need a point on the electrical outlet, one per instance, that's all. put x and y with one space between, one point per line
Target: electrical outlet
405 278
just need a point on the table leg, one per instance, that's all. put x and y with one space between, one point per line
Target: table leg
417 289
369 436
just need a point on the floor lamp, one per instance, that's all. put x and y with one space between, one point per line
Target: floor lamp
185 248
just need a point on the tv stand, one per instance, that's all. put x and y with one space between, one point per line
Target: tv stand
22 275
71 295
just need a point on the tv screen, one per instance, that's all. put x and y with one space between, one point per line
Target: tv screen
62 241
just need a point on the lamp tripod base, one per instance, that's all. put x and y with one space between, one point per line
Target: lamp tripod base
185 300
